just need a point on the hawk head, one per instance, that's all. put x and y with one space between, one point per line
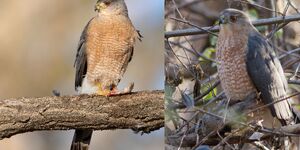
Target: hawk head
233 19
111 7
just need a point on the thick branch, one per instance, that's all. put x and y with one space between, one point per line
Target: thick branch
260 22
141 111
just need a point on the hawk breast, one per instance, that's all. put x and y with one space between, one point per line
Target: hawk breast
109 46
232 70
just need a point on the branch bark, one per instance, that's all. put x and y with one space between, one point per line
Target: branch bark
140 111
260 22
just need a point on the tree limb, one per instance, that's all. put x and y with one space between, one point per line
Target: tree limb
260 22
140 111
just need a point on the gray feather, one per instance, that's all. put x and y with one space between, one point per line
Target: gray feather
81 139
267 75
81 58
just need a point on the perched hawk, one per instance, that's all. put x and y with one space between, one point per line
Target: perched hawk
248 64
104 51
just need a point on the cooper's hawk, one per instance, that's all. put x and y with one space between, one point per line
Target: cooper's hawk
104 51
248 64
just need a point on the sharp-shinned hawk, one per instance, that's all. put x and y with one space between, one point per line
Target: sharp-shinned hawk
104 51
248 64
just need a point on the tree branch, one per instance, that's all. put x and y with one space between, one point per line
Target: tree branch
260 22
140 111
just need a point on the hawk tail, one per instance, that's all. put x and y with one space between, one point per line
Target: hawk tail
295 119
81 139
296 114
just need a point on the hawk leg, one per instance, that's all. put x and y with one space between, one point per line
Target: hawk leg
103 91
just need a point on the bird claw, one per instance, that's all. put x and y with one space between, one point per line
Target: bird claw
115 91
128 89
104 92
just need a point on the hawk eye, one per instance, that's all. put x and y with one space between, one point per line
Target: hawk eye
233 18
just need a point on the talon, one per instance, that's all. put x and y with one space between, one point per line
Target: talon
114 91
102 91
129 88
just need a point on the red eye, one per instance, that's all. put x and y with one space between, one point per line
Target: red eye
233 18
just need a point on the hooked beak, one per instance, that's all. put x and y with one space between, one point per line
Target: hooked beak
100 6
97 8
223 20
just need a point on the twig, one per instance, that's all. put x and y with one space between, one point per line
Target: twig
208 90
258 144
276 101
197 27
260 22
186 4
289 53
191 140
194 52
297 82
197 99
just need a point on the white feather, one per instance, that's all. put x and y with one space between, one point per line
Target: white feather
87 88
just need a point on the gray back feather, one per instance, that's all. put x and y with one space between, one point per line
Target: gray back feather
268 77
81 58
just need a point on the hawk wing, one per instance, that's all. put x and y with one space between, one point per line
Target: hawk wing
81 58
268 77
139 37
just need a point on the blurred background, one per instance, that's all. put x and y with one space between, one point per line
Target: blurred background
38 41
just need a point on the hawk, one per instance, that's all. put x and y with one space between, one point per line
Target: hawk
104 51
247 64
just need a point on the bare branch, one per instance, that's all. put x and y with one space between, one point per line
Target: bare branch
260 22
212 121
140 111
297 82
190 139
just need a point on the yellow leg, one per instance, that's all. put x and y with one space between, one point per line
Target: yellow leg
101 91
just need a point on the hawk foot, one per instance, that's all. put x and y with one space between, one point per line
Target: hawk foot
102 91
128 89
114 90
